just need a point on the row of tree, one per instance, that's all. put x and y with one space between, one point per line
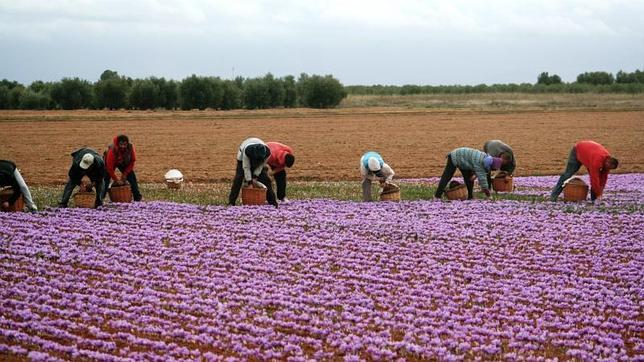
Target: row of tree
588 82
597 78
113 91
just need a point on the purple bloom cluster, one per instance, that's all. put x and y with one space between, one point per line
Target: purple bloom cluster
326 279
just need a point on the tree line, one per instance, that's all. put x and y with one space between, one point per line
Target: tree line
114 91
588 82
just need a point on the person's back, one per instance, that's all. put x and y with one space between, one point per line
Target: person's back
468 158
498 148
7 169
10 176
591 154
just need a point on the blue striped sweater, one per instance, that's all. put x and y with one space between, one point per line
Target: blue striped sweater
470 159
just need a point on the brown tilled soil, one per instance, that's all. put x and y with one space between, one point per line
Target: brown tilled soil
327 143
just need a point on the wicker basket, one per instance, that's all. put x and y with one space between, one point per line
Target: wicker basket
18 205
390 192
253 196
120 193
173 185
84 199
575 190
390 196
457 193
503 184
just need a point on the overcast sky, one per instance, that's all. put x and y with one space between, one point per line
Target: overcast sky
358 42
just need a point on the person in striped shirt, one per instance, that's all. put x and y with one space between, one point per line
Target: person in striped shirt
470 162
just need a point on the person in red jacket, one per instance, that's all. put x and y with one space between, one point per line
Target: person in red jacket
597 160
120 154
281 157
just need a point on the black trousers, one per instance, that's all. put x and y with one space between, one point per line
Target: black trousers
448 173
239 180
71 185
280 183
131 179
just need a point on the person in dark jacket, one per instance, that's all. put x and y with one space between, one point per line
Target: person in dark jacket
10 176
122 156
85 162
252 156
470 162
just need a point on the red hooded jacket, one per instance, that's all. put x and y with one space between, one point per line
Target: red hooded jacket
592 155
123 160
278 152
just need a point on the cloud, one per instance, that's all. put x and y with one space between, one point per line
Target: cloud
362 41
267 17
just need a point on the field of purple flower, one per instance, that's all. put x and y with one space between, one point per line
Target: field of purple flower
322 279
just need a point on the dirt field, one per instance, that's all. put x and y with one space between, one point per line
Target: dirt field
328 143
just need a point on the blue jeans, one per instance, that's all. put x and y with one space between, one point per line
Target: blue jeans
572 166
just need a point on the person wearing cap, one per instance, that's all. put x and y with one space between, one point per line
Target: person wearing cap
597 160
373 168
10 176
497 148
251 168
85 162
281 157
120 154
470 162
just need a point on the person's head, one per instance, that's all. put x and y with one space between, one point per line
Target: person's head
122 142
373 164
87 161
497 162
289 160
611 163
506 159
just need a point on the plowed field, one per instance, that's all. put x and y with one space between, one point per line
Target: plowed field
327 143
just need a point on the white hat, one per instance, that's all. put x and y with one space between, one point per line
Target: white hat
374 164
87 161
174 176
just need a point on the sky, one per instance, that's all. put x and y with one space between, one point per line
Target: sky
367 42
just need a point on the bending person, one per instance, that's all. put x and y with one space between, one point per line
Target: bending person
85 162
597 160
10 176
373 168
251 167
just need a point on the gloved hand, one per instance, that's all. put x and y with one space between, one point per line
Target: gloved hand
5 205
487 192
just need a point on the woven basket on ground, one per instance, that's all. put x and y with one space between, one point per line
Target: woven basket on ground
390 192
173 185
120 193
575 190
18 205
84 199
502 183
253 196
457 193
